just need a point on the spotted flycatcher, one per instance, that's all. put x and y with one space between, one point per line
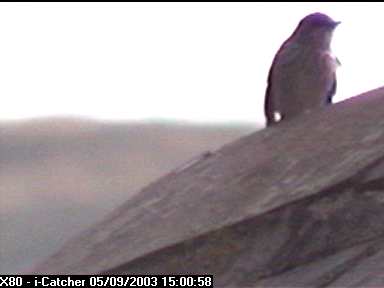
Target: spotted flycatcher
303 73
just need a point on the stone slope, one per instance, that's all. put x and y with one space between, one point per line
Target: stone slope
298 204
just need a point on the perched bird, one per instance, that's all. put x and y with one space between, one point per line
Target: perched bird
303 73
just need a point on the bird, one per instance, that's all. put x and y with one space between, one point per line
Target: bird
302 76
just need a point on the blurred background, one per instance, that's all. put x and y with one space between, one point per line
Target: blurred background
99 99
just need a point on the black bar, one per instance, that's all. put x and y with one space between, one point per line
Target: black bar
89 281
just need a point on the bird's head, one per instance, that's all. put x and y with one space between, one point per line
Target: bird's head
316 28
318 21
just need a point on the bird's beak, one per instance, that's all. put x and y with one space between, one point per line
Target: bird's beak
336 23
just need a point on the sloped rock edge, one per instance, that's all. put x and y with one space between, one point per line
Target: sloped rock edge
245 179
341 216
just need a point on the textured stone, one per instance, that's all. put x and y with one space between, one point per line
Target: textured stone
297 204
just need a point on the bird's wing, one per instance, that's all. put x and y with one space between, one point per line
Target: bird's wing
332 91
288 53
333 63
268 102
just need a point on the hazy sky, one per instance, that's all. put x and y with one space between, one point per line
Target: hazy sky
190 61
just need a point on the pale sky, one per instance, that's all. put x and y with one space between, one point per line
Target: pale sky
204 62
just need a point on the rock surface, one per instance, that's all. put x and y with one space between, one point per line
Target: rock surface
300 204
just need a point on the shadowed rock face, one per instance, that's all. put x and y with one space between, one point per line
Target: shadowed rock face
300 204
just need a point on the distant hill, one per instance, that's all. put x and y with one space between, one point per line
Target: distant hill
58 176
